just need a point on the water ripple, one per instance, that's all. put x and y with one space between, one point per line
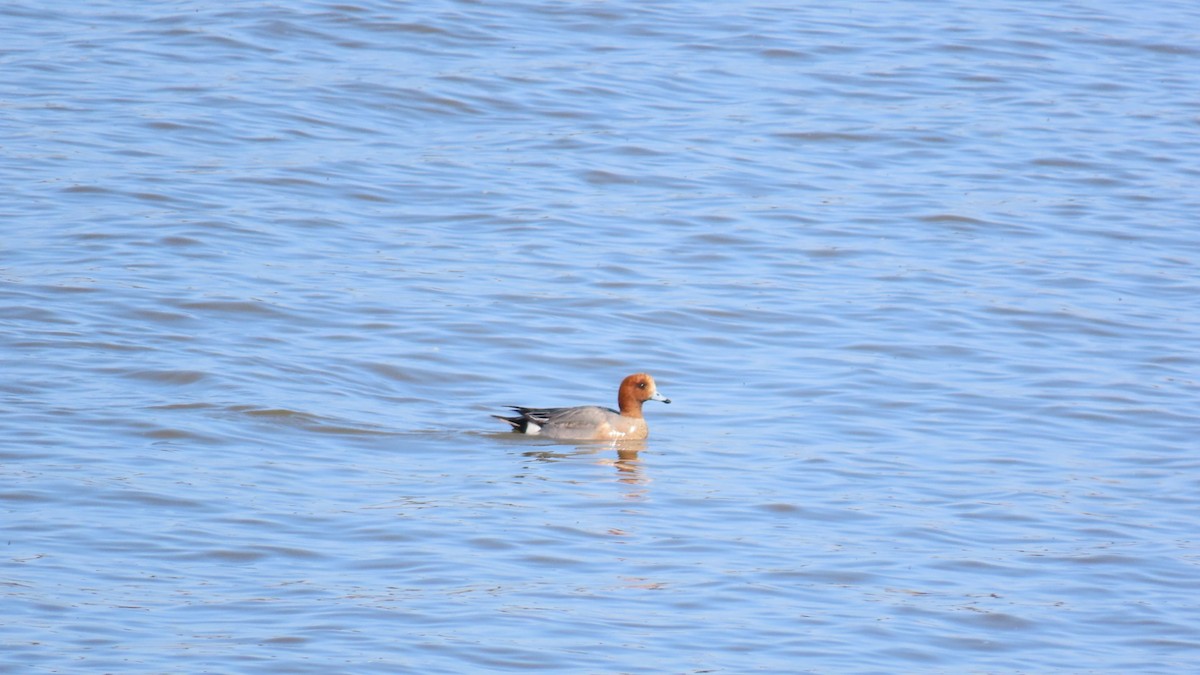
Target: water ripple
920 282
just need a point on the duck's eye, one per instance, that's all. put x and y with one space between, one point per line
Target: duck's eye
641 385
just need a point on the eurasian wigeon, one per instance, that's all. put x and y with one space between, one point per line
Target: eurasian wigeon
592 422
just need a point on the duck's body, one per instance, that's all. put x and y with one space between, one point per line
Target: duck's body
592 422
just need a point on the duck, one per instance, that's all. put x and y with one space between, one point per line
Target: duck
592 422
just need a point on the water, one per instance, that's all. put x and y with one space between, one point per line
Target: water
921 281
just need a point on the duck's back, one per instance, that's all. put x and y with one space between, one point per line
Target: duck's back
583 423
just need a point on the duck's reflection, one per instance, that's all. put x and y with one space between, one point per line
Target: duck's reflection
628 463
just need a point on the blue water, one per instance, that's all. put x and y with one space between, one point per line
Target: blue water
922 281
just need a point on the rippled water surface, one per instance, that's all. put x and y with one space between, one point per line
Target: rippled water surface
920 278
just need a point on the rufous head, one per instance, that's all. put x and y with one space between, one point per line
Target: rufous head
635 390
